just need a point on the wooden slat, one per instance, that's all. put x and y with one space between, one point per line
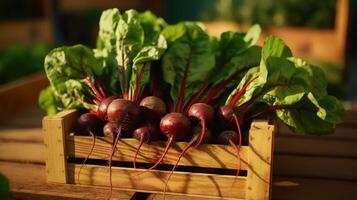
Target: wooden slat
21 95
298 188
22 151
54 128
311 146
342 132
30 119
26 32
196 184
312 189
261 148
341 24
213 156
28 181
33 135
314 166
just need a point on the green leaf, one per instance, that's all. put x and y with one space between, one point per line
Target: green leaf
236 54
252 35
188 61
273 47
4 188
303 119
253 88
152 26
139 41
110 77
293 84
49 102
107 25
66 69
329 108
152 49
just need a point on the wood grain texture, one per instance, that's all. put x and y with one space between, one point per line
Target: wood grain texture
55 128
212 156
342 132
260 155
28 181
315 167
21 95
315 147
22 151
30 119
197 184
26 31
31 135
297 188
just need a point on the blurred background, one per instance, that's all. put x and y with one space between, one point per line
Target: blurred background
320 31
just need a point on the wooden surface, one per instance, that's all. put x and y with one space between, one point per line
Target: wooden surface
28 181
54 130
204 156
261 137
21 95
27 31
197 184
26 171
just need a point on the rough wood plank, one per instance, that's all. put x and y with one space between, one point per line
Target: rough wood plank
174 197
315 167
341 24
213 156
26 31
55 128
316 147
198 184
33 135
22 151
30 119
260 154
342 132
28 181
22 94
312 189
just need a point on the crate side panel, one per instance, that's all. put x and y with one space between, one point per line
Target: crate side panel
197 184
261 136
213 156
55 128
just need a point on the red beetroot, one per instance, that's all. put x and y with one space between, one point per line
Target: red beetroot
175 126
226 115
87 123
126 113
205 114
153 108
103 107
123 115
145 134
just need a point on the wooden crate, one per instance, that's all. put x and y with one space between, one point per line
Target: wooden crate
61 144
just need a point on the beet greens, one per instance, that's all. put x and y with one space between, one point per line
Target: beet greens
147 79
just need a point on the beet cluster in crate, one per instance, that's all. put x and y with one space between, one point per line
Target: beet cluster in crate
156 81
